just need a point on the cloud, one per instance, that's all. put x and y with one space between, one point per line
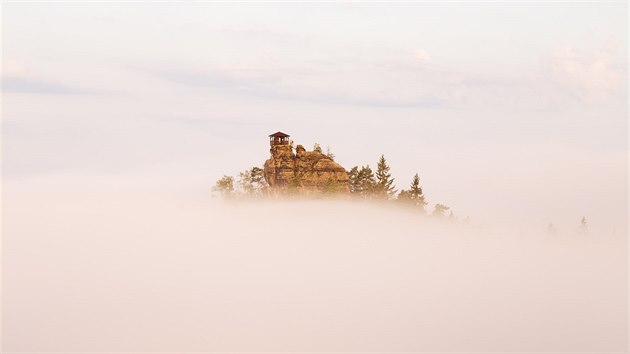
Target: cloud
24 85
18 77
412 79
319 86
589 75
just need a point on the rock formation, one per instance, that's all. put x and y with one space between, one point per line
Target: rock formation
305 171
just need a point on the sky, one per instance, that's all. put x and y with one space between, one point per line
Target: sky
511 111
118 118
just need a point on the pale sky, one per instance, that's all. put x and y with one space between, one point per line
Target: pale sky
510 110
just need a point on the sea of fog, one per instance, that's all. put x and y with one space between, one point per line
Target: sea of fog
116 272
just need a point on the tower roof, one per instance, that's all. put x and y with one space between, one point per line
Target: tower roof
279 135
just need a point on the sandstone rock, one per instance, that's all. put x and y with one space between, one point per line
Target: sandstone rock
305 171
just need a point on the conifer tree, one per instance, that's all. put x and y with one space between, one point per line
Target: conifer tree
366 181
415 192
353 180
257 176
404 196
384 187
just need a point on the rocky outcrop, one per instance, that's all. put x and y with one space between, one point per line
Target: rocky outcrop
305 171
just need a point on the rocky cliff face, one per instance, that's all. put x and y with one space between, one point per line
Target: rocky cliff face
305 171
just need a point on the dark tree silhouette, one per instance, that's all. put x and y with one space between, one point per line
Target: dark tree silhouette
384 187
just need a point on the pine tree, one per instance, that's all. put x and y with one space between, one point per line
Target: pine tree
366 182
404 196
258 176
415 192
384 182
353 180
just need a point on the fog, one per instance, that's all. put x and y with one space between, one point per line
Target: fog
118 118
142 268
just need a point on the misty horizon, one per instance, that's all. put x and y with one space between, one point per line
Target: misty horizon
119 119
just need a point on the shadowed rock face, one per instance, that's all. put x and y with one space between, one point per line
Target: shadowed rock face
307 171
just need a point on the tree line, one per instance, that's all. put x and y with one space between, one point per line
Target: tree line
364 183
250 183
367 184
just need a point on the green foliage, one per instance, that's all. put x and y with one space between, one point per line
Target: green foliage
404 196
413 196
295 182
252 182
245 183
440 210
384 187
331 186
225 186
365 182
353 180
258 176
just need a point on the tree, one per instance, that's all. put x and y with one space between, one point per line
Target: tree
414 194
252 182
245 183
331 186
317 148
440 210
416 191
404 196
225 186
365 181
384 187
353 180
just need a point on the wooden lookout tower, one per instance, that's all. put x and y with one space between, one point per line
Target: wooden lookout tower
279 138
